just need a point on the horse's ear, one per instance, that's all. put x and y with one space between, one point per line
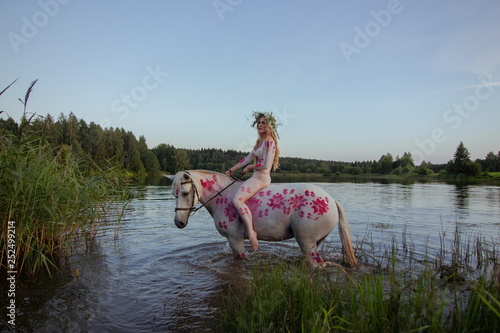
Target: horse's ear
171 177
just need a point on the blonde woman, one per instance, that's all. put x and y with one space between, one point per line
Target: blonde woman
265 158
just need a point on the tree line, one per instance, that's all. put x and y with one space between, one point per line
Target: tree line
107 147
120 148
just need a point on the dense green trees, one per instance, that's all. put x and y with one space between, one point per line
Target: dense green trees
491 162
106 147
120 148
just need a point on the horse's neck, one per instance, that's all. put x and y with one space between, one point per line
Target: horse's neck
211 183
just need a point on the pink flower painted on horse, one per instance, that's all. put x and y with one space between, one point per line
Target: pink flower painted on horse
277 201
221 201
297 202
320 206
208 184
230 212
316 257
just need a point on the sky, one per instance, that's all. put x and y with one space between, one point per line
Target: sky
347 80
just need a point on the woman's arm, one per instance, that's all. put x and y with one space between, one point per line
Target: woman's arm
266 163
241 163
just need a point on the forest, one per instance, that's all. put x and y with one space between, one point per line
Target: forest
116 147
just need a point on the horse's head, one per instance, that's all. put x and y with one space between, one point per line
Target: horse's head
186 196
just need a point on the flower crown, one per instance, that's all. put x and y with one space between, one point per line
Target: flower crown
269 117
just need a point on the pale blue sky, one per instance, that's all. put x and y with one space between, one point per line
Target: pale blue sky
349 80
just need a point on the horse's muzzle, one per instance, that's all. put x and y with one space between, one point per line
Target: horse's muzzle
180 224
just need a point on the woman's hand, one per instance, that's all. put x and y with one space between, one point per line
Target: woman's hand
229 172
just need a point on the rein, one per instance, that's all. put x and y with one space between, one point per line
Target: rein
192 210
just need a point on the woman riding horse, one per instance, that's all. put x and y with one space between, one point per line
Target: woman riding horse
265 156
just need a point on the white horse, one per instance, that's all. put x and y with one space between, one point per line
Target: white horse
280 211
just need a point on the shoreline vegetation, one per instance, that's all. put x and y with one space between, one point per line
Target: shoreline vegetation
395 289
50 198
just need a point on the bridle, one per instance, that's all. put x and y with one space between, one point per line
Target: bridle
194 209
191 209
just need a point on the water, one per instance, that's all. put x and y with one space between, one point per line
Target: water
147 275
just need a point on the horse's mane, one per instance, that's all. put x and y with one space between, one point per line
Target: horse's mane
208 172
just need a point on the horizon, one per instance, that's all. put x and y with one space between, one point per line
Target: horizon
344 79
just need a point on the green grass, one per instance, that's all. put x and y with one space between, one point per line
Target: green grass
494 174
457 290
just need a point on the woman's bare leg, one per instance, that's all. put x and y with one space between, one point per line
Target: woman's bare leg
245 192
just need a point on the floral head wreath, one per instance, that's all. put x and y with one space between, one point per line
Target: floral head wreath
269 117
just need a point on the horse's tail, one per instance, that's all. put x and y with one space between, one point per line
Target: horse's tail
345 236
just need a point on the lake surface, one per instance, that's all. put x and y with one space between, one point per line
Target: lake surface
146 275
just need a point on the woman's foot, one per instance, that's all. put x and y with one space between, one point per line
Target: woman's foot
253 241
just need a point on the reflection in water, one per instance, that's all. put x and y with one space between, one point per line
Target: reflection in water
151 276
461 195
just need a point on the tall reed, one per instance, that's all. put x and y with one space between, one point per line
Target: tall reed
50 196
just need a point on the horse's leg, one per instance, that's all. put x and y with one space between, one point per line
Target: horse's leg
313 257
237 244
308 242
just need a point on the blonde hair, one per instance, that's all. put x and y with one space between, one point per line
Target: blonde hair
271 133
